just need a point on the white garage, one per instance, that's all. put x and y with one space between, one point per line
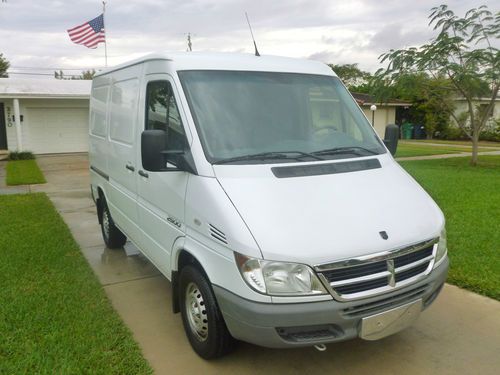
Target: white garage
44 116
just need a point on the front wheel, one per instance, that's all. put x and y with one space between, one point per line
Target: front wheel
201 317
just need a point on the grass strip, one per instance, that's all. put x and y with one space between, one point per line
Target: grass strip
470 199
406 150
54 315
415 149
24 172
451 142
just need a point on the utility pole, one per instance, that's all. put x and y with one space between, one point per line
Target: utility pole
105 36
190 44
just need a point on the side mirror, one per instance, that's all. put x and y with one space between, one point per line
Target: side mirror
391 138
156 157
153 142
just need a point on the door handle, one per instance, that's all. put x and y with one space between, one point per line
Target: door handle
143 174
130 167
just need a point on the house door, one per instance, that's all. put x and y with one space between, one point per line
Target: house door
3 131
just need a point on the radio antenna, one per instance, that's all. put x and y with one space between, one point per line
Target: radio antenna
251 33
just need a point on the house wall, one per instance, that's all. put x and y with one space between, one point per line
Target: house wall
383 115
461 106
9 124
25 105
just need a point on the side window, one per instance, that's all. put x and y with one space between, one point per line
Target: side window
325 109
162 113
98 111
329 115
123 102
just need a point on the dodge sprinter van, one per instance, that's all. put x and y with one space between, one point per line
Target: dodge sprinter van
260 190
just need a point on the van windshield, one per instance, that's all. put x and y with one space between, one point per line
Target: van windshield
247 117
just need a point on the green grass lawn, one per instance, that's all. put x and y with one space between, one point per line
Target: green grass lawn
54 316
470 199
406 149
463 143
23 172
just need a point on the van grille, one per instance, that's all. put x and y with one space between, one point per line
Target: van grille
364 277
364 309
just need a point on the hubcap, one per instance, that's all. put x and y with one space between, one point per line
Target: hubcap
196 312
105 223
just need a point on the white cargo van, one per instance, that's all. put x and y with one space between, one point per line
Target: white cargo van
259 189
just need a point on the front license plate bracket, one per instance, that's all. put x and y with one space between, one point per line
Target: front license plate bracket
386 323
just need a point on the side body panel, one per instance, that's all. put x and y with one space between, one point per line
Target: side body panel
122 124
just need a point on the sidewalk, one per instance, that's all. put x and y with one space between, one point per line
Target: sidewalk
445 156
454 145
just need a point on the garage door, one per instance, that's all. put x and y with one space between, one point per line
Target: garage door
53 130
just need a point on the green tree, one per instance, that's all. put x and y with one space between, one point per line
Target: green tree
59 74
464 54
4 66
354 78
88 74
431 98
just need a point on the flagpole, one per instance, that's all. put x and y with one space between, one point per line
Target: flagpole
105 36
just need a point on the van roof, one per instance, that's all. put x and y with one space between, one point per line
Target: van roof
230 61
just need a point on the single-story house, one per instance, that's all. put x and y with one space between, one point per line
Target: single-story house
44 116
392 112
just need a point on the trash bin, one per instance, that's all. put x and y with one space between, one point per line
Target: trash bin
407 130
419 132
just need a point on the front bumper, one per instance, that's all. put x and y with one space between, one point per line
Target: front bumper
306 324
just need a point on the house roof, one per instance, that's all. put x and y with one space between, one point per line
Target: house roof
44 88
366 99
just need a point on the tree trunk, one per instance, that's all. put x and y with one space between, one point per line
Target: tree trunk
475 147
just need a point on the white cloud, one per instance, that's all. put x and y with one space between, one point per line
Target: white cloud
358 31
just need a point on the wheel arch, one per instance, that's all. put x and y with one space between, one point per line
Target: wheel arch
182 257
99 202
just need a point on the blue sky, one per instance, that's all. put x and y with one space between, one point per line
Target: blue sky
33 34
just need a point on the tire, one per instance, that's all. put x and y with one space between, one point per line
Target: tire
113 237
201 317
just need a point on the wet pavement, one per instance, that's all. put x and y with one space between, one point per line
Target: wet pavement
459 333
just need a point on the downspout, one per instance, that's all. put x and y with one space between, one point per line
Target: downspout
17 120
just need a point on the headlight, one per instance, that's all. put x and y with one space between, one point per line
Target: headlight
277 278
441 248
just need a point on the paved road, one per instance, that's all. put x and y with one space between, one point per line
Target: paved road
458 334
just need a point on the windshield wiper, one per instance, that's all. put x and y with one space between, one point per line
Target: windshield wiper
356 150
269 156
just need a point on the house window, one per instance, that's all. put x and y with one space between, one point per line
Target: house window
484 107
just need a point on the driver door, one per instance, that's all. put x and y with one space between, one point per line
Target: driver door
161 194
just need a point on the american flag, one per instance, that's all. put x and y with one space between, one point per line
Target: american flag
90 34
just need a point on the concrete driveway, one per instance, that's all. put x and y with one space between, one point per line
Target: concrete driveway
459 333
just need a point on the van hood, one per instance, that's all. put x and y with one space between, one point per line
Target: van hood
325 218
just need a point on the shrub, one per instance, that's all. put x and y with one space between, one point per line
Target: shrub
21 155
452 133
492 131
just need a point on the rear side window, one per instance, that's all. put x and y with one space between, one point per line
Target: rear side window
123 109
98 110
162 113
